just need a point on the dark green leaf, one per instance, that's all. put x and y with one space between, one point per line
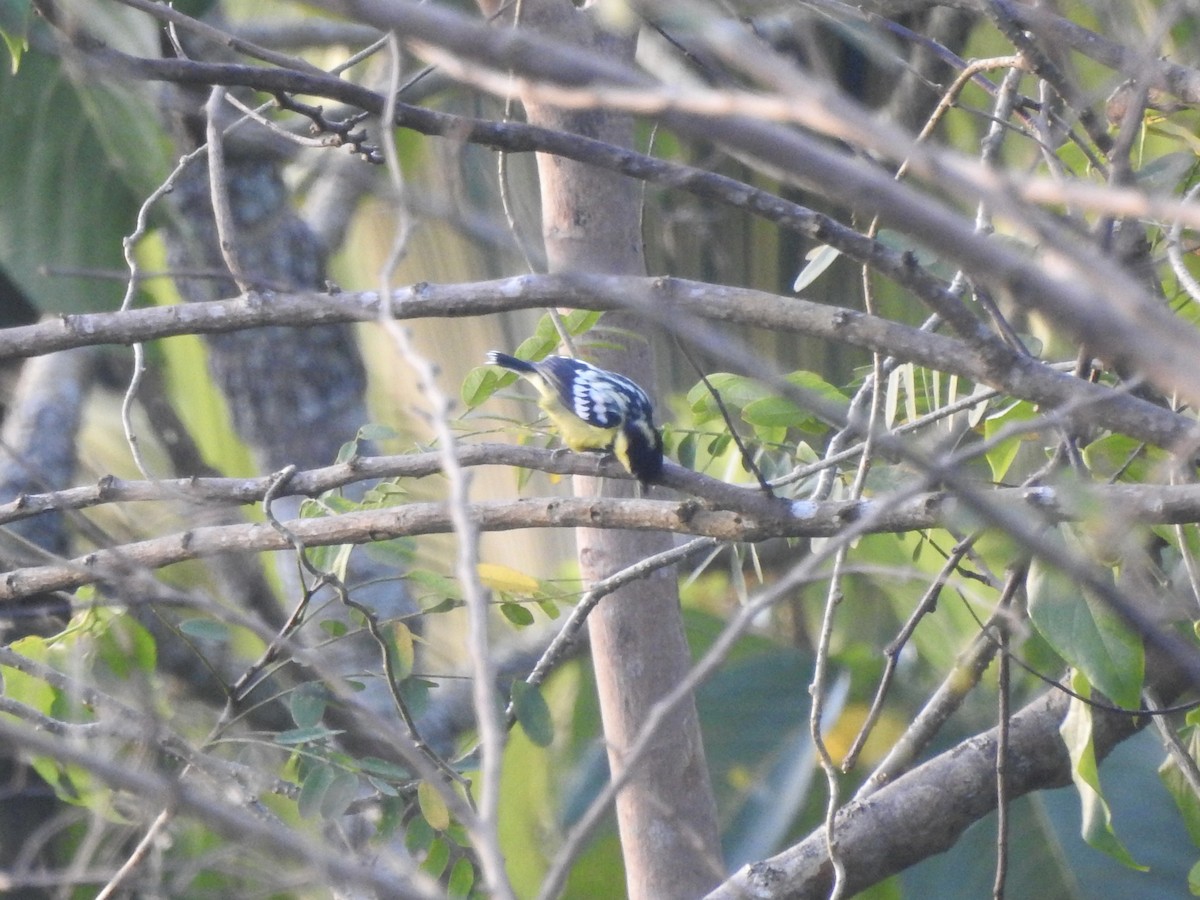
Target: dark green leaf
686 451
313 788
307 704
418 835
440 606
533 713
396 552
1077 735
66 205
517 614
376 766
333 627
377 431
305 735
1085 632
340 793
205 629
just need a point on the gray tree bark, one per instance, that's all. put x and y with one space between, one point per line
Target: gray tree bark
666 814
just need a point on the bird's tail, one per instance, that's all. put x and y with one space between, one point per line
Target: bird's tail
496 358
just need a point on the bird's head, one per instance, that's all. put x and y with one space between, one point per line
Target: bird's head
639 447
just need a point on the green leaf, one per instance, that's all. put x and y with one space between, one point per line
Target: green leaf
1076 731
401 649
307 704
383 787
141 645
517 614
339 794
124 644
333 627
815 384
376 431
376 766
774 412
396 552
737 392
536 347
686 451
1119 454
433 582
312 790
418 835
718 445
1000 457
205 630
1194 880
445 604
1084 631
433 806
533 713
506 579
308 735
1180 789
579 321
14 28
64 204
386 493
25 688
479 384
437 858
462 878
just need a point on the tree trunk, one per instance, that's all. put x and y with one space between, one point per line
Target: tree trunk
666 813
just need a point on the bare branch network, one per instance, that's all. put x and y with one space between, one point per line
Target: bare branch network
1058 260
756 518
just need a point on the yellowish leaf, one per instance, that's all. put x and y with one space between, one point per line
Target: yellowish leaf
506 579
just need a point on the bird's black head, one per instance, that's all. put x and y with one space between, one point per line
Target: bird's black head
643 451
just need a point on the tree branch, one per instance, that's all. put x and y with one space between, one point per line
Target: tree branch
756 517
666 299
926 811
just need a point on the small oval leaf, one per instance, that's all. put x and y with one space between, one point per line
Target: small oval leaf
307 705
506 579
517 614
205 629
312 791
433 807
533 713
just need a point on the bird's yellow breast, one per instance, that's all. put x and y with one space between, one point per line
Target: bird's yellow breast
576 433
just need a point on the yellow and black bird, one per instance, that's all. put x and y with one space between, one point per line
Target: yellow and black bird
594 409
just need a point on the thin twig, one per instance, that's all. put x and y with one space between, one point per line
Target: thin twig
487 714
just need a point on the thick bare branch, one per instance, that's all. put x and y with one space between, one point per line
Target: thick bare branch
756 517
668 300
927 810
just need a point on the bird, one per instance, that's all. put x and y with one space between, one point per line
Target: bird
594 409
